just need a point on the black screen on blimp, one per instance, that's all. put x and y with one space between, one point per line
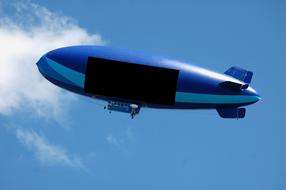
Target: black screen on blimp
131 81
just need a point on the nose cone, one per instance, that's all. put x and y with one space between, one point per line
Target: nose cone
60 63
42 65
74 57
46 69
62 68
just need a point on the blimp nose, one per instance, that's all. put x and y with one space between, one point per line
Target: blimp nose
41 61
62 68
73 57
48 68
41 64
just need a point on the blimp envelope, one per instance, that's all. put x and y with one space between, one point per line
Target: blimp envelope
129 80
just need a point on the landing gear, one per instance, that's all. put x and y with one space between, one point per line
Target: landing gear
132 109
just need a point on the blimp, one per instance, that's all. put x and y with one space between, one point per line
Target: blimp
129 80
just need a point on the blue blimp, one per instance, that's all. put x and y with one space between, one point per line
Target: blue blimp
129 80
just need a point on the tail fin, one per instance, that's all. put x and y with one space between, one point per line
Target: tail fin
231 112
240 74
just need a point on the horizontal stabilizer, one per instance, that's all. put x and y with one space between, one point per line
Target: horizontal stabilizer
233 85
240 74
231 112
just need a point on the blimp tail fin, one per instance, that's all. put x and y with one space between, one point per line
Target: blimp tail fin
231 112
240 74
233 86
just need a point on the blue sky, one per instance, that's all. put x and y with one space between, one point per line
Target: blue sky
52 139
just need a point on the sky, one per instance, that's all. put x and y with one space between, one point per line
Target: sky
54 139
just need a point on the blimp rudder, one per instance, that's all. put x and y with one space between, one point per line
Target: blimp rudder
250 95
240 74
231 112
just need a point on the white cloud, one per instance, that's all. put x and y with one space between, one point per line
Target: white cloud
113 141
118 143
45 152
25 37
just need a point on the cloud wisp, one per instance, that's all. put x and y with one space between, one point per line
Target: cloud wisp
27 31
118 143
46 152
110 139
25 36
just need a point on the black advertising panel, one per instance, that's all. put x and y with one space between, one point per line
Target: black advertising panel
131 81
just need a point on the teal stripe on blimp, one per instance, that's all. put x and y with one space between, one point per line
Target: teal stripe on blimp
213 98
75 77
